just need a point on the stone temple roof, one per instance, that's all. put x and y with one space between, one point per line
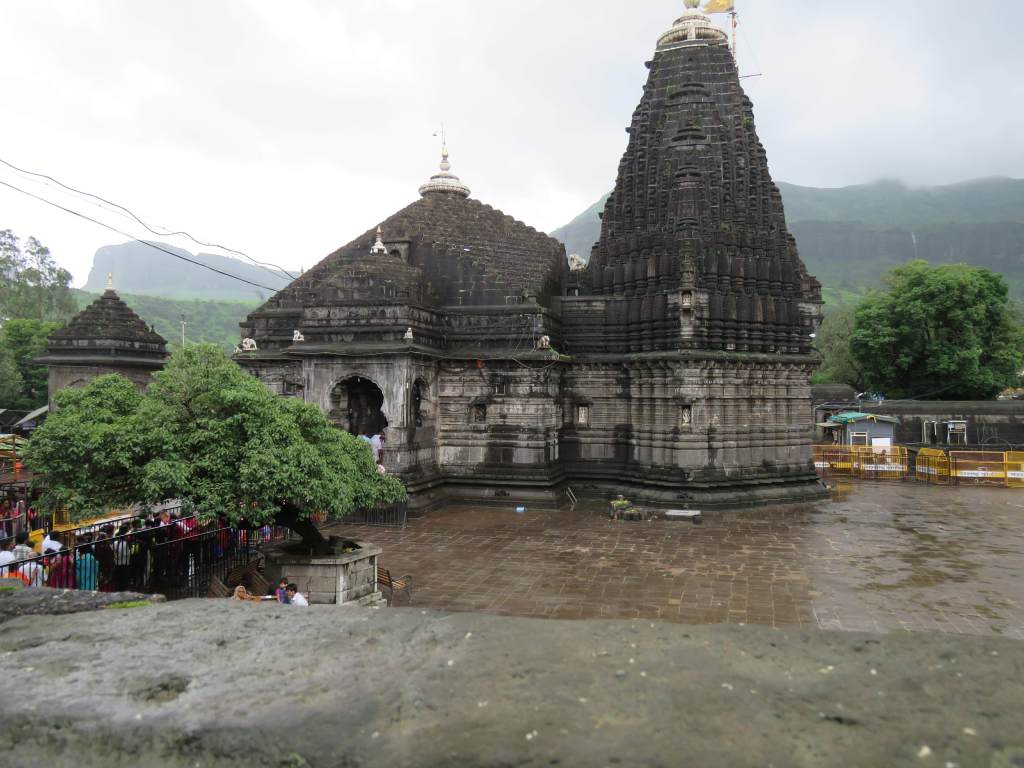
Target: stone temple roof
107 328
443 249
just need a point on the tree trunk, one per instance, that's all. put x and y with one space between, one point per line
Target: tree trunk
291 517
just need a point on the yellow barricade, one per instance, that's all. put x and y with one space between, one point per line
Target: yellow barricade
1015 469
861 461
933 466
978 467
833 460
876 463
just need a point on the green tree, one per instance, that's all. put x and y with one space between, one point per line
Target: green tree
212 436
838 366
21 341
10 380
34 287
942 332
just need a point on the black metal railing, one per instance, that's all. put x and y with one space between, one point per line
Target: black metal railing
178 560
392 516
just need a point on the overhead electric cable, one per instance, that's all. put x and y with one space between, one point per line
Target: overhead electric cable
144 224
137 240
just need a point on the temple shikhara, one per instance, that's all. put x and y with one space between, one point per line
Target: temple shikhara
673 367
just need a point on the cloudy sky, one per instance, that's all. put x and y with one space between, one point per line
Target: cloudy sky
286 128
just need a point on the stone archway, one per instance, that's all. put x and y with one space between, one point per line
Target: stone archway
357 405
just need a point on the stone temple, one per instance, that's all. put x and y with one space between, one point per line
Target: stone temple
673 368
106 337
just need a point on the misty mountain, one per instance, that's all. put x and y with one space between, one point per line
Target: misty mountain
849 237
139 269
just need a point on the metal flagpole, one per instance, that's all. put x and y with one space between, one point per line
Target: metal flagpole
735 24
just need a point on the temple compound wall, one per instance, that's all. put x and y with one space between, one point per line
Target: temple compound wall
673 367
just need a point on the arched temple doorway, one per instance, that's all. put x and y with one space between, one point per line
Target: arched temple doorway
356 406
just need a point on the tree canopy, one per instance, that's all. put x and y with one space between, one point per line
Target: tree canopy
839 366
23 385
210 435
35 300
941 332
33 286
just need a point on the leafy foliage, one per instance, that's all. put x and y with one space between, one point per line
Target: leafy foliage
939 331
20 342
839 366
10 380
33 286
209 434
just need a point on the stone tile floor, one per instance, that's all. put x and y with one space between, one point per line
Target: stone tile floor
878 558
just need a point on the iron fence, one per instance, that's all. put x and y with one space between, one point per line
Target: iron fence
174 560
392 516
179 559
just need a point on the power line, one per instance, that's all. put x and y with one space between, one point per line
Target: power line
137 240
263 264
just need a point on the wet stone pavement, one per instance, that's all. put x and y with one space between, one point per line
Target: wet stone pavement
878 558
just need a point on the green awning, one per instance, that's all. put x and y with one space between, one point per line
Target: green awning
853 418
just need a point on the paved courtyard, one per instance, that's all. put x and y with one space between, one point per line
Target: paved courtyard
878 558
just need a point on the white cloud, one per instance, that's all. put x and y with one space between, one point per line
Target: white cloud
286 128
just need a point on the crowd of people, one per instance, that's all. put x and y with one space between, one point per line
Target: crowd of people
285 593
140 553
17 514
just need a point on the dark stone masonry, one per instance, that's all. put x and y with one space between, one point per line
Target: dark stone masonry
674 367
105 337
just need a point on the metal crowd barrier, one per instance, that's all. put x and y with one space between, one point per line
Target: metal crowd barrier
978 467
932 465
866 462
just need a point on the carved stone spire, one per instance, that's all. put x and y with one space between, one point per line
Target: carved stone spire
379 249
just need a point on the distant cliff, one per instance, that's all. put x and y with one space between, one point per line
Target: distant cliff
849 237
139 269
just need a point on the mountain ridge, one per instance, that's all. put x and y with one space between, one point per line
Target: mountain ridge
850 236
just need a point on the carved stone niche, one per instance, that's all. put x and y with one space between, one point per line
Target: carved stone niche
477 415
685 404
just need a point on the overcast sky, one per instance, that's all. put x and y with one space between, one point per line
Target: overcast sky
285 129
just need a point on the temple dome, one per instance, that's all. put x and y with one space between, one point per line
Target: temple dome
443 250
693 25
445 182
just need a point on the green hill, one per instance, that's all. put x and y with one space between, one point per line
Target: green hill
849 237
215 322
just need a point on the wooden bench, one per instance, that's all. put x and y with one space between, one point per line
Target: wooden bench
404 584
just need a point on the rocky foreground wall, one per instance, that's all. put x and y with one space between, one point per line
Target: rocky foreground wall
219 684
